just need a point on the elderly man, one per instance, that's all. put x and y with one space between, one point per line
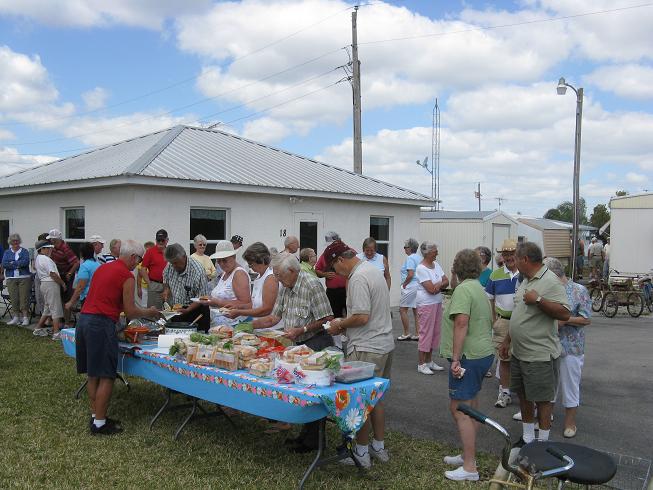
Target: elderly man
304 308
335 284
369 329
151 271
114 251
500 288
184 278
291 244
67 264
96 344
540 302
595 256
98 245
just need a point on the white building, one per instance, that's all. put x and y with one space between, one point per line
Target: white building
191 180
453 231
631 233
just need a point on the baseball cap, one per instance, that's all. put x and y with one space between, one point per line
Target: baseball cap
54 233
331 236
161 235
236 239
335 250
42 244
97 239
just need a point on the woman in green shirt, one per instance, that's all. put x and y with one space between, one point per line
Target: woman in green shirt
467 342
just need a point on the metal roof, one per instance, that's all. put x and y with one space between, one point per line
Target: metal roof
186 153
543 224
455 214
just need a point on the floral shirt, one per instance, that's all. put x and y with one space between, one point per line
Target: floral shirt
572 337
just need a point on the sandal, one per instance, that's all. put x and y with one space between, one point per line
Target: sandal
403 337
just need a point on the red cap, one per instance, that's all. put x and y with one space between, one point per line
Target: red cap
335 250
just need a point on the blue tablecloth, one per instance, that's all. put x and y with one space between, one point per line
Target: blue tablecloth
348 404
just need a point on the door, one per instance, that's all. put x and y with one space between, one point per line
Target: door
308 228
4 232
499 234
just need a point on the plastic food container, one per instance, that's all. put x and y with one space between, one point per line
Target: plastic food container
352 371
323 377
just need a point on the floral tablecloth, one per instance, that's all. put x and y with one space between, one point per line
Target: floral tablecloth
348 404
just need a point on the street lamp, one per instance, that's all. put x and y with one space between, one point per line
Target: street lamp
562 89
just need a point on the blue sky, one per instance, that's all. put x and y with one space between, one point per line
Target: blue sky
77 75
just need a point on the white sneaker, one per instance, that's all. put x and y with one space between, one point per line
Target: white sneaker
517 416
56 336
424 369
14 321
434 367
364 460
460 474
25 322
454 460
503 400
381 455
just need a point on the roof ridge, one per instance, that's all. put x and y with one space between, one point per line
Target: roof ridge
155 150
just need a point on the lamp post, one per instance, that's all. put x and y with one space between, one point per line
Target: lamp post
562 89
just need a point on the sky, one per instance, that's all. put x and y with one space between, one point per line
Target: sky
79 74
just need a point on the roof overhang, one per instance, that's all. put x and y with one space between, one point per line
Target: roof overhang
140 180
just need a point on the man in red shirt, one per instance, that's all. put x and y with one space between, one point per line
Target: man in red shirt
96 343
151 270
67 264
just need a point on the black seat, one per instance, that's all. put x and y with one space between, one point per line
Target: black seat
590 467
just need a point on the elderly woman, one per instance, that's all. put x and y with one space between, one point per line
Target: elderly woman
50 285
379 261
486 258
409 284
232 289
572 339
264 288
467 343
308 259
85 273
200 247
15 262
431 281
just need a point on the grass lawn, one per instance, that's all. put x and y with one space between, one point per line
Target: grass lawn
45 441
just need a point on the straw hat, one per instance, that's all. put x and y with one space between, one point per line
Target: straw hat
509 245
223 249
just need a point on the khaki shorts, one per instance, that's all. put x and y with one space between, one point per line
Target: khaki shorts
51 299
499 333
538 380
383 362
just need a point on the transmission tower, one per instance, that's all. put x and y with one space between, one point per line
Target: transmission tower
435 155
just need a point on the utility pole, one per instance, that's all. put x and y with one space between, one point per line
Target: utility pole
477 195
356 85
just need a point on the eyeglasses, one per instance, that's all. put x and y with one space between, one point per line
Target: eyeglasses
139 259
201 245
225 259
507 254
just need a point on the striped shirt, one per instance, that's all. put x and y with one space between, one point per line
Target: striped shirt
501 287
302 304
192 278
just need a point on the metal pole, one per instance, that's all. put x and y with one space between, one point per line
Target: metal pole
574 240
356 85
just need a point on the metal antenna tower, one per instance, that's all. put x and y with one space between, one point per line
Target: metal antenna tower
435 156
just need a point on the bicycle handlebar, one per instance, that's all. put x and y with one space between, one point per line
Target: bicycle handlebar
470 412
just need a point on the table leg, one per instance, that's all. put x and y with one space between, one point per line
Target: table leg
81 388
165 405
187 419
320 449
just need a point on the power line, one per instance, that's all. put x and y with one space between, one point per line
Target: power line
503 26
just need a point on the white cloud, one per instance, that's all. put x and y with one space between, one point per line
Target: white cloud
11 161
634 178
265 130
24 81
630 81
149 14
96 98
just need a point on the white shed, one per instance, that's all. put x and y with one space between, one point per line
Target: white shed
453 231
631 233
192 180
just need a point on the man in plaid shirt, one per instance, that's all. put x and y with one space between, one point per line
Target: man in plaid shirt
183 279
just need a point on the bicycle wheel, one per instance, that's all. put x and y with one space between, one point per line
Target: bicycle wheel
610 305
596 295
635 304
649 305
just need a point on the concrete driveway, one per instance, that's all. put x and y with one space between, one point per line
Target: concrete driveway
616 412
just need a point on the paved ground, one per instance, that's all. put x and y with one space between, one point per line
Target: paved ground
617 394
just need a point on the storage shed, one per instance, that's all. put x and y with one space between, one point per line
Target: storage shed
631 233
552 237
455 230
192 180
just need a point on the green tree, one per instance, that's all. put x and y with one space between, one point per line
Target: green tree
565 212
553 213
621 193
600 215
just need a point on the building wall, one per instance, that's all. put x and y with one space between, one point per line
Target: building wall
631 236
138 212
451 236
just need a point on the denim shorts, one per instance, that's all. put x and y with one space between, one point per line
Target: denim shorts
96 346
467 387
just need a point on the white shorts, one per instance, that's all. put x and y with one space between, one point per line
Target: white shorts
51 299
569 380
409 296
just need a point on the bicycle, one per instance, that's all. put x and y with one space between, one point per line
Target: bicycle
535 461
622 293
645 283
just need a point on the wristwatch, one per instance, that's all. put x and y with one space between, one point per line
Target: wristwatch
538 300
305 328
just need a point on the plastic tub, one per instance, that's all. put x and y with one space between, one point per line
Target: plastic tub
352 371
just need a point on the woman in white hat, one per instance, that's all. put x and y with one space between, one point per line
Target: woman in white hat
51 285
233 287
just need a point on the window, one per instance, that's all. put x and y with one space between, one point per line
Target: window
212 223
380 231
74 228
